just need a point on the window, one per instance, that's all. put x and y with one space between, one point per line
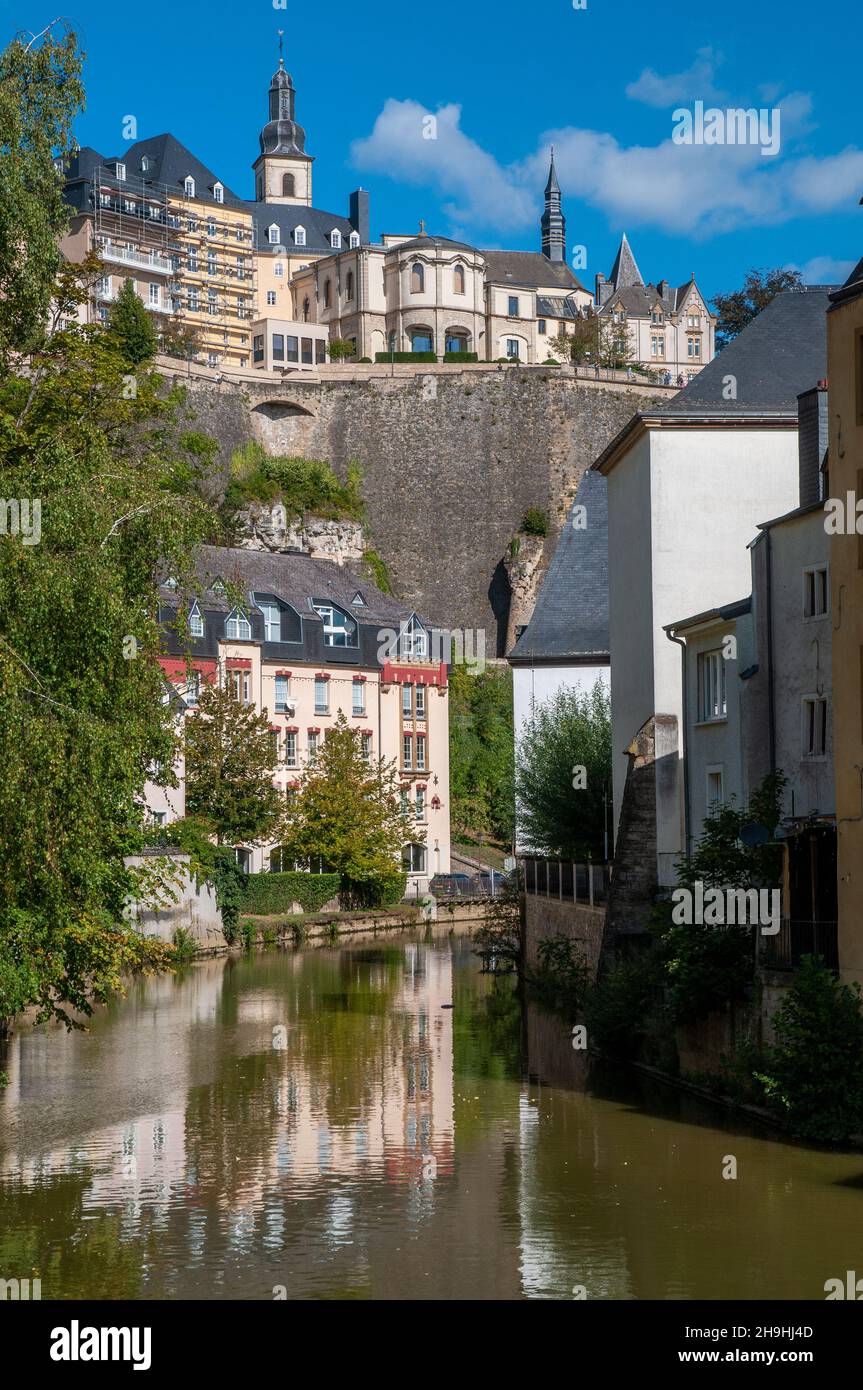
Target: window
196 622
541 326
349 285
657 316
218 193
407 751
193 260
307 350
291 748
241 267
458 280
657 346
212 359
240 682
814 727
238 626
711 686
322 695
354 240
120 171
407 701
414 641
292 348
455 341
145 164
272 619
404 801
420 702
715 788
513 348
366 746
189 186
288 186
421 752
211 264
274 235
193 689
129 204
194 304
283 690
328 294
274 743
693 321
312 745
336 240
418 278
300 236
321 349
271 297
278 271
278 347
421 804
306 308
815 592
103 285
513 306
241 235
154 213
421 340
358 697
193 224
693 347
211 229
414 859
211 302
258 347
155 297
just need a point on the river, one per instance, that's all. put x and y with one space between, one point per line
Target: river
318 1124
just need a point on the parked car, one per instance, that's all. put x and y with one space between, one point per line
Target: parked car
490 881
451 886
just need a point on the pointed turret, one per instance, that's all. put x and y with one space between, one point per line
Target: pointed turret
624 271
283 170
553 221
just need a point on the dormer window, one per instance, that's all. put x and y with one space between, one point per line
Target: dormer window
217 587
274 235
189 186
354 240
336 239
414 642
170 582
358 601
300 236
120 170
196 621
238 626
272 617
145 164
219 192
339 629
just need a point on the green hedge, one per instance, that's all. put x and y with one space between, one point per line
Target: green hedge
460 357
264 894
405 357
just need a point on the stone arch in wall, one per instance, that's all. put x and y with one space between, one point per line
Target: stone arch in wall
283 427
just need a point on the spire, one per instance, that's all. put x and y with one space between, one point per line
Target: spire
282 134
553 221
624 271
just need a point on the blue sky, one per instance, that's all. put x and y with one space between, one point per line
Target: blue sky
505 79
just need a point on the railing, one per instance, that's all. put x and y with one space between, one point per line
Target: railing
565 879
796 939
159 264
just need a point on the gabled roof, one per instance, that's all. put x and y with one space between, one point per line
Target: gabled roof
853 285
570 620
170 163
529 270
288 216
778 355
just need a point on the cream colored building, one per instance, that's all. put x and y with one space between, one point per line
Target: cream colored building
669 328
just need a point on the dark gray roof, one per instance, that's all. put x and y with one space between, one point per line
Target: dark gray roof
570 620
853 285
529 269
424 243
288 216
169 163
782 352
295 578
724 613
624 271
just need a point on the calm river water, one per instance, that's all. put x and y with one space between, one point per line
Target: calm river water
318 1124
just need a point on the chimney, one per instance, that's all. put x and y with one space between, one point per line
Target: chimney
662 289
811 442
599 293
359 216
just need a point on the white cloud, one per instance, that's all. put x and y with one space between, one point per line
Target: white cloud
695 190
695 84
824 270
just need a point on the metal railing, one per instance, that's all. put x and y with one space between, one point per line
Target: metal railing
122 254
567 880
796 939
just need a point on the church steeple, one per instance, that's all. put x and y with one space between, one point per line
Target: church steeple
553 221
283 170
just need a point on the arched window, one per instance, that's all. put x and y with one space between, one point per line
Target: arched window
306 307
273 235
349 285
300 236
328 294
288 185
260 190
418 278
459 279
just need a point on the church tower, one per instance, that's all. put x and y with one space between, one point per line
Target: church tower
283 170
553 220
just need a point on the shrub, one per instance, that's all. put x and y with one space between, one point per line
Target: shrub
185 946
365 359
300 484
563 976
460 357
535 522
814 1072
340 349
268 894
618 1010
406 357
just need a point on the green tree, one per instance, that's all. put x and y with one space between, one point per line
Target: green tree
230 765
341 348
482 798
40 95
130 327
615 345
178 338
348 812
563 774
738 308
580 344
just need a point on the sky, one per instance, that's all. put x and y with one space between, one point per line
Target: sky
505 80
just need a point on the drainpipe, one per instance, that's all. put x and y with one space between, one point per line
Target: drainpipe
771 715
686 818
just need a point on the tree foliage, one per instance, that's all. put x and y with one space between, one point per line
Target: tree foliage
481 753
563 774
130 327
348 812
738 308
230 765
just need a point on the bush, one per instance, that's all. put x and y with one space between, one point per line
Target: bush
460 357
535 522
405 356
551 362
269 894
365 359
516 360
563 975
620 1009
300 484
814 1072
185 946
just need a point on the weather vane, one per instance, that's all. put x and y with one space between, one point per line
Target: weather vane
281 34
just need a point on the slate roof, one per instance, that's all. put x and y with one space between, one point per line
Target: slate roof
296 578
853 285
288 216
420 243
640 300
782 352
529 270
625 271
570 620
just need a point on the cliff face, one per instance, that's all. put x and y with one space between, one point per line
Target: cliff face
451 461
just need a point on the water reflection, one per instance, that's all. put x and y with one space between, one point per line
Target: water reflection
319 1123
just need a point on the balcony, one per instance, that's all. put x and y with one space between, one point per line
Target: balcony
796 939
121 255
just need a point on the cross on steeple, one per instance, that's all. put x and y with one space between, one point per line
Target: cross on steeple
281 33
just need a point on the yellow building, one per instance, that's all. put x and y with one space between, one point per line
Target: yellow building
845 486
